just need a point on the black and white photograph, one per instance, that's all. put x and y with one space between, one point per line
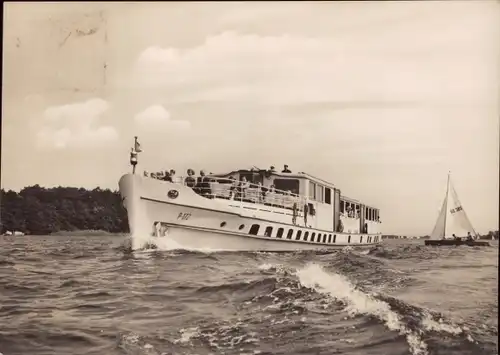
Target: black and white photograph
250 178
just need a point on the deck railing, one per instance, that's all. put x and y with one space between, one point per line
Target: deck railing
240 191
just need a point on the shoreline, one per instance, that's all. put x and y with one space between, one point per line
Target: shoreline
87 233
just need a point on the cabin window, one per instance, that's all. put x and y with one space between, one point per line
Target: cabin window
324 238
291 185
319 193
306 235
290 233
312 190
299 232
361 239
254 229
334 238
252 177
342 207
349 239
328 195
312 236
268 232
318 239
329 238
279 234
366 212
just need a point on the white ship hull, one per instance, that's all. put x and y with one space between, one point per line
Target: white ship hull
173 216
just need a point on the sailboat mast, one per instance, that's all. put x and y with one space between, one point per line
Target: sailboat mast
446 203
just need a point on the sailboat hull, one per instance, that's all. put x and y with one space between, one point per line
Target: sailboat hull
447 242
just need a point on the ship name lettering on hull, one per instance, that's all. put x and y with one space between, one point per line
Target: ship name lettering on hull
184 216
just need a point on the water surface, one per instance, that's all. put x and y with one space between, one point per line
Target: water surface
89 295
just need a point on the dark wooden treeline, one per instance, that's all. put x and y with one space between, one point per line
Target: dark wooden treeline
38 210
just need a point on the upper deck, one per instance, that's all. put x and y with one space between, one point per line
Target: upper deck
283 190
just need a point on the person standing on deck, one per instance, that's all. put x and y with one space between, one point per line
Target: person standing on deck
167 177
190 181
172 175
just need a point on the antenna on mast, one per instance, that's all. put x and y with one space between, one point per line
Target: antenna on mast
133 154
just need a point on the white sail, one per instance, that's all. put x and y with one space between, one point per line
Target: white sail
439 230
452 219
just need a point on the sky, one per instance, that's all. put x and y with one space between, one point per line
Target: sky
380 98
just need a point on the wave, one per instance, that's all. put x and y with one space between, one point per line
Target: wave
404 252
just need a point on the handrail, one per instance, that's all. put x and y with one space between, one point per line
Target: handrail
233 190
243 191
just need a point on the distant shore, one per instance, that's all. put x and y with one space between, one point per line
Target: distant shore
87 233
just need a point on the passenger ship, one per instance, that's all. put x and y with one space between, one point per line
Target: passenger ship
245 210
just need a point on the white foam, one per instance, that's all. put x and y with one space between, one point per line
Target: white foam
440 326
267 267
166 244
187 334
337 286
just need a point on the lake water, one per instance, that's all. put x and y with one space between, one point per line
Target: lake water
90 295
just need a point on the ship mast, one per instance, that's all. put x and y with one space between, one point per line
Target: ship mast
446 202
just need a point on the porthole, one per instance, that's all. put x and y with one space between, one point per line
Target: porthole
223 224
241 226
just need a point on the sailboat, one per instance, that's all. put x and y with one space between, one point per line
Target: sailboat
453 227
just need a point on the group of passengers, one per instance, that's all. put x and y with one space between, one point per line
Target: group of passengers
355 213
469 237
351 212
239 190
200 184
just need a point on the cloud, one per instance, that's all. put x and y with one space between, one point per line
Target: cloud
76 126
156 116
446 66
